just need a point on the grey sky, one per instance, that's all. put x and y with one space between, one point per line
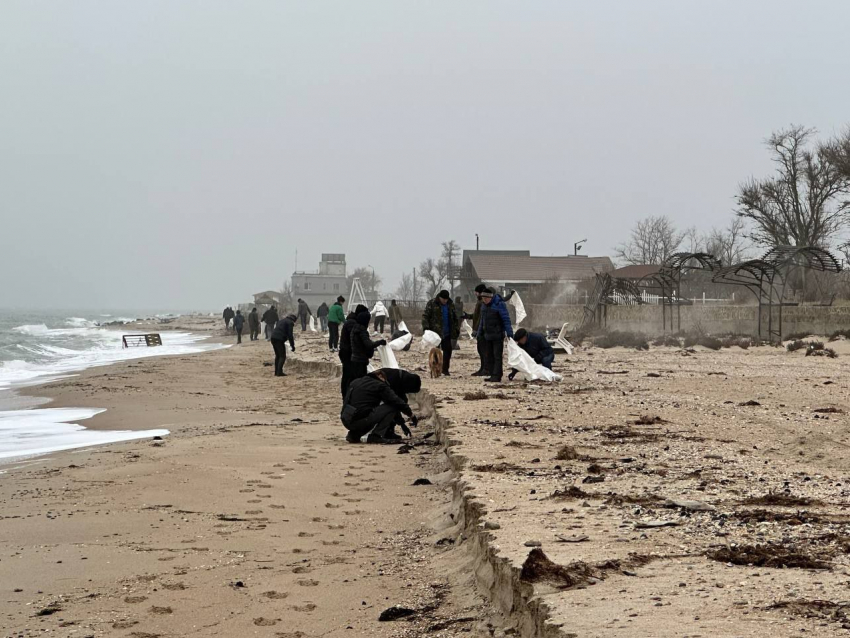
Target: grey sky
192 146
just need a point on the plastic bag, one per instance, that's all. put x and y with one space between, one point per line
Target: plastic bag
430 339
526 367
312 324
516 302
467 328
401 342
403 326
387 357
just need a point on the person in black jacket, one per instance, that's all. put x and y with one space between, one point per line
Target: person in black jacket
304 313
254 324
362 347
345 347
371 407
270 318
440 317
283 331
238 324
403 383
537 347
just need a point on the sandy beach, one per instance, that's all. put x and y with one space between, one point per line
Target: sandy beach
664 493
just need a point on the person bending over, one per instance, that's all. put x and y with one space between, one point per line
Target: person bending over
371 407
537 347
403 383
283 331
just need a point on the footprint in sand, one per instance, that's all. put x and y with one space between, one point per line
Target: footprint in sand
264 495
316 519
275 595
143 634
265 486
290 634
306 582
305 535
124 624
302 569
266 473
331 506
253 511
353 512
174 586
353 500
306 608
278 507
132 600
351 484
245 491
253 481
161 611
328 543
165 559
264 622
336 526
254 500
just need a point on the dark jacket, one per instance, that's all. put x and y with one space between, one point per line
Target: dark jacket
322 311
336 314
400 381
476 316
345 340
395 313
270 317
254 319
238 321
537 347
284 330
362 347
432 318
303 309
367 393
495 320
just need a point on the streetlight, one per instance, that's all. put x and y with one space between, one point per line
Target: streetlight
577 246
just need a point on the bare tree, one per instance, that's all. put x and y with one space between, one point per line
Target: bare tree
433 273
287 302
652 241
800 205
451 257
837 151
370 281
727 244
406 290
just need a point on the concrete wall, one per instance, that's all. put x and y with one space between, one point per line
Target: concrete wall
714 319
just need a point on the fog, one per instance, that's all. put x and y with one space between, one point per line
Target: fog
177 154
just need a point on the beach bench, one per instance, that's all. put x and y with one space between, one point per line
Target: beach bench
135 341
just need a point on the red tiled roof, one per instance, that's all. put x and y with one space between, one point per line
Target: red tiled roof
521 269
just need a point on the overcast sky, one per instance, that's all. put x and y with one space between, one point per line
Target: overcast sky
176 154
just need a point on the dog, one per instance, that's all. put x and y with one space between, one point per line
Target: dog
435 362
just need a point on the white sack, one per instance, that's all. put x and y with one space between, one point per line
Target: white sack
516 302
387 357
467 328
403 326
528 370
312 324
430 339
370 368
401 343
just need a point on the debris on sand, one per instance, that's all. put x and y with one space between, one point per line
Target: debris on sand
655 524
829 410
567 453
497 467
570 493
539 568
781 499
395 613
750 403
49 610
475 396
773 555
820 609
645 419
691 506
422 481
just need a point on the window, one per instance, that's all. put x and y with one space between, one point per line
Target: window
336 287
324 286
306 285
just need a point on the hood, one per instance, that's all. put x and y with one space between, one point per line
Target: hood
363 318
411 383
292 318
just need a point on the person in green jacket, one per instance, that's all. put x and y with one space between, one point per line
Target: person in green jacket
336 317
440 317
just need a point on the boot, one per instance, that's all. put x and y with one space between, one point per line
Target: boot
493 380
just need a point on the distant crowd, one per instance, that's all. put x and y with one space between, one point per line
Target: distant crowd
374 403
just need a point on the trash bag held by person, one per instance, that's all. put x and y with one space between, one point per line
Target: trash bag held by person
283 331
371 407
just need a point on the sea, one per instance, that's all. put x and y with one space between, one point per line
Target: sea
40 347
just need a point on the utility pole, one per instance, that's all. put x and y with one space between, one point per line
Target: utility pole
414 285
577 246
476 241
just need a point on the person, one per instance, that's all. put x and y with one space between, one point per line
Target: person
395 316
403 383
537 347
380 313
228 317
479 334
254 324
322 314
496 324
440 317
284 331
270 318
238 324
344 350
362 347
303 313
371 407
336 316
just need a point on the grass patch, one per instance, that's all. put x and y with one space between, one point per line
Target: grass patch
780 499
768 555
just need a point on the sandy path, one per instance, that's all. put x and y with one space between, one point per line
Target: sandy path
252 518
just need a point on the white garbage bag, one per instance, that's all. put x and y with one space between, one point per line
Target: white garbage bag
403 326
370 368
312 324
467 328
387 357
528 370
401 343
430 339
516 302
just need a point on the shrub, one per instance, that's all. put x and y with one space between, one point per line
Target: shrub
616 338
835 336
797 336
713 343
736 340
668 340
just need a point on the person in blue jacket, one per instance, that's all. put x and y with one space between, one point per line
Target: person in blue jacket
496 324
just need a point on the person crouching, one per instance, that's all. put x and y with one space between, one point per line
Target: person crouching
371 407
537 347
